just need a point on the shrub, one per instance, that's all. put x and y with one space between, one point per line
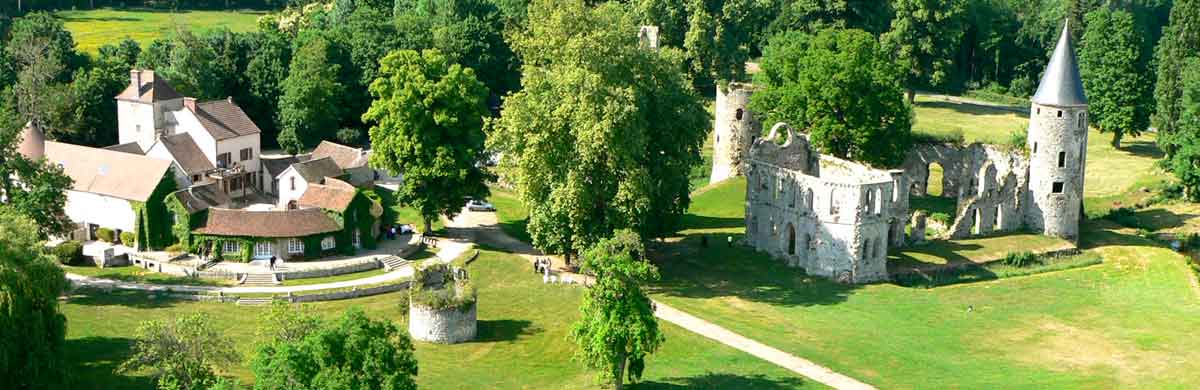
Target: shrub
941 218
445 293
1019 259
349 136
1017 140
405 303
68 252
1123 216
953 137
175 248
105 234
128 238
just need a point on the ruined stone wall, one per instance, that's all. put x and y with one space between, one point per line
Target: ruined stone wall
989 184
443 326
735 129
1057 143
836 227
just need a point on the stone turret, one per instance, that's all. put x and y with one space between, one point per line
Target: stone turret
1057 143
735 130
33 142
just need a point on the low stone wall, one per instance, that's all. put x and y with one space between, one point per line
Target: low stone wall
348 294
365 265
442 326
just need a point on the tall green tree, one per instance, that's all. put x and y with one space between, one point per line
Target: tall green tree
1180 42
924 37
429 127
353 352
183 354
1115 72
842 88
1184 163
193 68
604 132
53 38
32 329
813 15
617 328
310 105
720 37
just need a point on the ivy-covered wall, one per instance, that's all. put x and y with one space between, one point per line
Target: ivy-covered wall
154 225
183 222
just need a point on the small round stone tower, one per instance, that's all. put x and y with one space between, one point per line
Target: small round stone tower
1057 142
33 143
735 130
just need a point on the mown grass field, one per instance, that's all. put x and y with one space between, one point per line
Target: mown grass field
522 340
94 28
1125 323
135 274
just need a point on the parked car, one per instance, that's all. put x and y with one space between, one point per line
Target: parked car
479 205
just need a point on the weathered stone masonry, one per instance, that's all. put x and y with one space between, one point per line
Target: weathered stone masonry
735 129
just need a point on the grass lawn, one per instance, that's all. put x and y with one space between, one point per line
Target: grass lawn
136 274
94 28
394 212
1126 323
335 278
974 250
522 339
514 219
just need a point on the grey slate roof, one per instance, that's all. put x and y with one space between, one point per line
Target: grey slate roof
187 153
1061 85
151 89
314 170
129 147
225 120
275 166
202 197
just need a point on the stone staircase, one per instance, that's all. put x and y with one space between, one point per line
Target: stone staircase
260 280
391 263
254 301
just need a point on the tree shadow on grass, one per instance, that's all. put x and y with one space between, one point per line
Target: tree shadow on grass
504 330
83 19
92 296
902 261
1157 219
691 270
692 221
967 108
722 381
1147 149
94 361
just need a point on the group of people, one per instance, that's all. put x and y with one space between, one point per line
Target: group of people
541 265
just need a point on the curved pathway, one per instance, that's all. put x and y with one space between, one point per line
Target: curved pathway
448 250
485 228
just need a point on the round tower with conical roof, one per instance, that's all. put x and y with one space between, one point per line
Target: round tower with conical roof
1057 144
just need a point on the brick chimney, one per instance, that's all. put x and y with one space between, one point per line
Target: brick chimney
229 99
135 80
190 103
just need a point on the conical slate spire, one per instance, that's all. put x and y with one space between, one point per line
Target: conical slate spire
1061 85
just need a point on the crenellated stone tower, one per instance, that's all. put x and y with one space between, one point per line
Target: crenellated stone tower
735 130
1057 142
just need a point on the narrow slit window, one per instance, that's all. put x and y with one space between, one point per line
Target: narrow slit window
1062 159
1057 188
1035 147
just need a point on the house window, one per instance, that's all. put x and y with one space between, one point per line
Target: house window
1057 188
327 243
357 239
1082 122
1062 159
223 160
1039 110
245 154
195 178
294 245
262 249
1035 147
232 247
293 180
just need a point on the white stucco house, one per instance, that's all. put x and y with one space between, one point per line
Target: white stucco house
295 180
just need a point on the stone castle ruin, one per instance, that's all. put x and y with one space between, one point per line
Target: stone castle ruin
837 218
441 305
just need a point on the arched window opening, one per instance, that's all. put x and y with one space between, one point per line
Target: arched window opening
791 239
878 201
739 113
808 199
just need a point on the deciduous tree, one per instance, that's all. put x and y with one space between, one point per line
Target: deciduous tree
617 326
32 330
924 37
604 133
719 38
1184 163
1115 74
354 352
429 127
310 105
1180 42
841 88
183 354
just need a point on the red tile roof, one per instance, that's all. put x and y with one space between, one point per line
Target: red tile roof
274 224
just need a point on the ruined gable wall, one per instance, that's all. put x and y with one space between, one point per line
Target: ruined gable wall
988 182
